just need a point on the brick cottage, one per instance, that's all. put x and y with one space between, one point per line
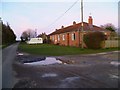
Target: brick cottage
71 35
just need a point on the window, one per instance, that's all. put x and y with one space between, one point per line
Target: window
63 37
73 36
53 38
58 37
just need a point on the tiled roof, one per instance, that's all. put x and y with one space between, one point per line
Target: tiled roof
75 27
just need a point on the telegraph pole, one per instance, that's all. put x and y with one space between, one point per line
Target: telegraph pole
82 29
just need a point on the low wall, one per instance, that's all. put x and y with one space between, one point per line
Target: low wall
112 43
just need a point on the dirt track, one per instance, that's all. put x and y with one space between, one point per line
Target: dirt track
83 71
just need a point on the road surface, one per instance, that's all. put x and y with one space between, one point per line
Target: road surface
0 68
8 56
86 71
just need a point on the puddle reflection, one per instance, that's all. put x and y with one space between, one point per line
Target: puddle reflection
116 63
49 75
47 61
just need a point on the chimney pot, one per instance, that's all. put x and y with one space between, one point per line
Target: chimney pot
74 23
62 27
90 20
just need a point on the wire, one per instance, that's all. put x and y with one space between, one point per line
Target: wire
62 14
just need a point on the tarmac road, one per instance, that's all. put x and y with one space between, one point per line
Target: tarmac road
0 68
8 56
87 71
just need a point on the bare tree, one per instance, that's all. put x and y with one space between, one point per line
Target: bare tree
109 26
112 28
28 34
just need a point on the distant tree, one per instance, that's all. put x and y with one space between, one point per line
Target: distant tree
8 35
0 31
44 37
28 34
21 39
111 28
24 36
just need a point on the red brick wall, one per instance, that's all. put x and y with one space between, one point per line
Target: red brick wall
71 42
65 42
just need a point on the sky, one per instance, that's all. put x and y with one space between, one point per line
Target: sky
41 15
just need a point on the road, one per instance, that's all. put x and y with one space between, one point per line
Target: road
0 68
87 71
8 56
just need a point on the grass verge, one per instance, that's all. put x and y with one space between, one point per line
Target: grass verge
55 50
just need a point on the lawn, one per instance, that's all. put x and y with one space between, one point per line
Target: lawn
55 50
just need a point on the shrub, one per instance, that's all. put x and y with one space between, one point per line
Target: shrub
94 40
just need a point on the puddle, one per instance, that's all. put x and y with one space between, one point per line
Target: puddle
49 75
67 82
20 54
116 51
101 53
114 76
116 63
70 79
47 61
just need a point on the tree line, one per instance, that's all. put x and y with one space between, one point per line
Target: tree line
8 35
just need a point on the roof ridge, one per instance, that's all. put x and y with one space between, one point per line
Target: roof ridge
76 27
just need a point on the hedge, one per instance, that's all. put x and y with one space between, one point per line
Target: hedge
94 40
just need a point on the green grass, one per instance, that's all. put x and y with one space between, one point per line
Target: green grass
3 46
55 50
0 46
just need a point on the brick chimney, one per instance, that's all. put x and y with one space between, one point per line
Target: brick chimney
90 20
62 27
74 23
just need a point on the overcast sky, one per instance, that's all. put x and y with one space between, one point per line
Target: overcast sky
39 14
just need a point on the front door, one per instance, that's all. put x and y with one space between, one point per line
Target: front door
67 39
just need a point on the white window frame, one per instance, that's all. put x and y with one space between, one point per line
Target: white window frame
63 36
58 37
53 38
73 36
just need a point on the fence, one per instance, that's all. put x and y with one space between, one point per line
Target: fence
112 43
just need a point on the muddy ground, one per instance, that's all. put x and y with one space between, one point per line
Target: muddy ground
76 71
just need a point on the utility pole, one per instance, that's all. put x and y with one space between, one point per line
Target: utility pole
35 33
82 29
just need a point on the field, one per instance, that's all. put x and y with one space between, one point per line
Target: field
55 50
